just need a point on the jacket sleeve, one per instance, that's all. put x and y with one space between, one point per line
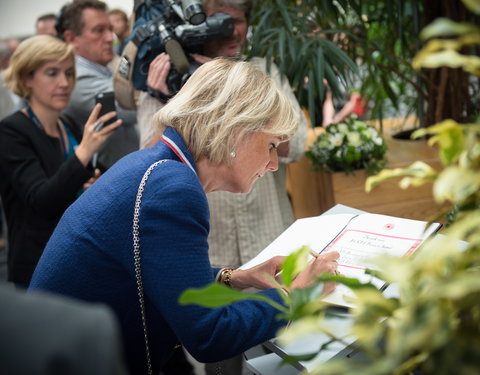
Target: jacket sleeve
30 166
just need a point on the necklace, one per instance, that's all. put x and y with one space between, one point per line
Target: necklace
39 124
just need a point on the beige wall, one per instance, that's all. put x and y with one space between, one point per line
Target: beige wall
17 17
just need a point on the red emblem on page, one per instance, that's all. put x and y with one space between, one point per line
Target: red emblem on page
389 226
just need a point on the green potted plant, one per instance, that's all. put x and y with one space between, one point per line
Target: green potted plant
317 40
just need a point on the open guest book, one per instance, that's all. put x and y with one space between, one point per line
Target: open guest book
358 238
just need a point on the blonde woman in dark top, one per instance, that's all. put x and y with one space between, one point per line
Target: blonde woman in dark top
45 162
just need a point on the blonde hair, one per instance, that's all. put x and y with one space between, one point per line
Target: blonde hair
30 55
221 104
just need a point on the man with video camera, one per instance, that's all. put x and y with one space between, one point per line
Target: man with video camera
241 224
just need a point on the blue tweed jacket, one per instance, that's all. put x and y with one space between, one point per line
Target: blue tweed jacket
90 257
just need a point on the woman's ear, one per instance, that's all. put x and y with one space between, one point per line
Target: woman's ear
27 81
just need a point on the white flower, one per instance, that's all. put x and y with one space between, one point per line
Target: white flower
342 128
354 139
336 140
378 140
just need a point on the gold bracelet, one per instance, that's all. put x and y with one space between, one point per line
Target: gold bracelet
226 276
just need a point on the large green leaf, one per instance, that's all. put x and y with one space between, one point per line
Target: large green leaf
456 185
450 137
444 26
419 171
294 264
450 58
473 5
217 295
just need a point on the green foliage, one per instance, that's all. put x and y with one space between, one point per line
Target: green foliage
293 264
433 326
283 32
348 146
217 295
316 40
449 52
458 183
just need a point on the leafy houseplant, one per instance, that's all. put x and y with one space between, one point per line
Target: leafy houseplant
348 146
325 40
381 36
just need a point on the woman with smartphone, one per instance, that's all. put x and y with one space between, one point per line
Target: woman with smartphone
45 161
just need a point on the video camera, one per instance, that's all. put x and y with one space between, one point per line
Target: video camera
178 27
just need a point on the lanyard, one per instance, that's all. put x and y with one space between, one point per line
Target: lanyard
37 122
173 146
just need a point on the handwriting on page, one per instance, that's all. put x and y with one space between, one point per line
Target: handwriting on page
357 248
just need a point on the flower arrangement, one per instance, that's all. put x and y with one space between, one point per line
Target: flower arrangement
348 146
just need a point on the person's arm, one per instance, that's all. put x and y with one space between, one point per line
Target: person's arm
328 109
346 110
26 161
149 105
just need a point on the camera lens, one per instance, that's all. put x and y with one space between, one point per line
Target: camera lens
193 11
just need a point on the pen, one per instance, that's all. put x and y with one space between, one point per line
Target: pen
315 255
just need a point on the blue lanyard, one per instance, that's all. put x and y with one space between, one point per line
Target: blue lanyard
37 122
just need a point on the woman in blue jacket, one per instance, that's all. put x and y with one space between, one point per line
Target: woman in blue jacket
222 131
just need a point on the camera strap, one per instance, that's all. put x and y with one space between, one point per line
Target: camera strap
125 93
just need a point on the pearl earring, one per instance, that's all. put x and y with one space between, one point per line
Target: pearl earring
233 154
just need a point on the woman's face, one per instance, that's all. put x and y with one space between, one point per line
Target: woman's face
51 84
254 156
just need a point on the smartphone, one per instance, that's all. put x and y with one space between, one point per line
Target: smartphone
107 100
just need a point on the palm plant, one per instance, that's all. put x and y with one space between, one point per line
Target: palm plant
313 41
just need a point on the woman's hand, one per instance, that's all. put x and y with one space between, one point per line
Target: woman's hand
260 277
91 180
323 263
200 58
93 139
158 73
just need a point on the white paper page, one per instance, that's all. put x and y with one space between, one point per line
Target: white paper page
369 236
316 232
366 236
